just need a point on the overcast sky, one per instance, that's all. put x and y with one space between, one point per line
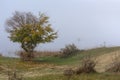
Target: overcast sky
87 23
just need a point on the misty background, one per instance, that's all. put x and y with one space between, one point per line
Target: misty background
86 23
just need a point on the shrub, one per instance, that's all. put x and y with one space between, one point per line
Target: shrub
88 65
69 50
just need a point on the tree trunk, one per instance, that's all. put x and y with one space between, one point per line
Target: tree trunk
28 55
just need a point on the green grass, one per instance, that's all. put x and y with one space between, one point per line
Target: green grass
79 56
64 61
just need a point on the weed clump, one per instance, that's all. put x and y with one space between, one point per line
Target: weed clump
88 66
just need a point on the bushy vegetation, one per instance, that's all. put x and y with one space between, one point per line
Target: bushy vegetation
88 66
69 50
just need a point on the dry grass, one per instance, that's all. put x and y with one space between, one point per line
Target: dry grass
48 65
46 53
105 60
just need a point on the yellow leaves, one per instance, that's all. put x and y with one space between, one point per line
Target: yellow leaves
43 19
48 28
27 39
33 30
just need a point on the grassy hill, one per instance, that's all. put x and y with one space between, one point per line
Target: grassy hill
51 68
96 52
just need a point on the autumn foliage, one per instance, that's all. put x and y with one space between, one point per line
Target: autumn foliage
29 30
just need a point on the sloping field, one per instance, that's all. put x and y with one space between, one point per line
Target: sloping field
55 66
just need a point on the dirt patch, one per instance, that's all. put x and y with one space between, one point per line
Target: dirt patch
105 60
3 77
47 70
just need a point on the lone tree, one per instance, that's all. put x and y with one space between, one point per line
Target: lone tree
30 30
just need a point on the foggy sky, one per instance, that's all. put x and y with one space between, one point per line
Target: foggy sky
86 23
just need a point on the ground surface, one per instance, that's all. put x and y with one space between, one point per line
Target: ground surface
51 68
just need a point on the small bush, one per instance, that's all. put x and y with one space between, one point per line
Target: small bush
88 66
69 50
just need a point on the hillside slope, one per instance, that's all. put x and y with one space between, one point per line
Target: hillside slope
105 60
55 65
